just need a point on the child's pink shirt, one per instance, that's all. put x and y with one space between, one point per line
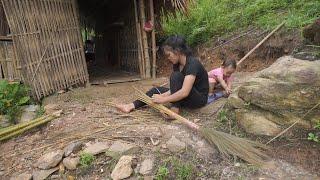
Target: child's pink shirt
218 72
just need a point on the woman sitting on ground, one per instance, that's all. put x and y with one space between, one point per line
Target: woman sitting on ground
189 84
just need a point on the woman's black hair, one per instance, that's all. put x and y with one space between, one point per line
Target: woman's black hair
178 43
230 62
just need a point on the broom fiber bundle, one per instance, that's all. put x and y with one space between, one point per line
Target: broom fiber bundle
227 144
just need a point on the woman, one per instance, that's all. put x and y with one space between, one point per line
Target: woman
189 85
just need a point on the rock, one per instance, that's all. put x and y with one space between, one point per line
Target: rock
97 148
72 148
123 148
123 168
286 90
148 178
50 160
23 176
235 101
213 107
50 108
175 145
146 166
256 123
29 113
4 121
43 174
71 163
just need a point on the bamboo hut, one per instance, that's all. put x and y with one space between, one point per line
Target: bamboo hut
42 41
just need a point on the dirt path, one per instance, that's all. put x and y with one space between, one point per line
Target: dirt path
87 118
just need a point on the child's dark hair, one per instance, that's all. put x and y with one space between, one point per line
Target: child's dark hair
230 62
177 43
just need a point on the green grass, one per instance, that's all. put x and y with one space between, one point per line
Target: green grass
162 173
86 159
210 18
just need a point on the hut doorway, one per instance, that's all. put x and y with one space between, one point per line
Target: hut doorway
115 28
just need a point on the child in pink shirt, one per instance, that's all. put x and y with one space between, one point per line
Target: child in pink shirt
222 76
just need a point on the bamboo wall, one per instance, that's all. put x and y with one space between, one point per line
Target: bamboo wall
47 42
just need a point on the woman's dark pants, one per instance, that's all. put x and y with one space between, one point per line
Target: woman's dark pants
194 100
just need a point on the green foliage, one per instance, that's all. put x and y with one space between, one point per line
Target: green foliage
12 97
317 126
86 159
222 116
210 18
313 137
183 171
41 111
162 173
178 169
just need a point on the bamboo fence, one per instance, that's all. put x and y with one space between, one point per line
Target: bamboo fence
47 42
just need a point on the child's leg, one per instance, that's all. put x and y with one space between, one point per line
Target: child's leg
212 84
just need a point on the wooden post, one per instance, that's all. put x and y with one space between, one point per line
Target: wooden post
144 39
139 42
153 40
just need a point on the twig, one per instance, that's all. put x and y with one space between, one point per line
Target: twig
233 39
284 131
261 42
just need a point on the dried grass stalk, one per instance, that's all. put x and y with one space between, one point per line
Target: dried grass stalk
227 144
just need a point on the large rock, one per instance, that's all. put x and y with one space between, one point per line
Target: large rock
23 176
71 163
175 145
4 121
97 148
50 160
43 174
123 148
280 95
256 123
123 168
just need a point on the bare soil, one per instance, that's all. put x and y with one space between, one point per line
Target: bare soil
88 118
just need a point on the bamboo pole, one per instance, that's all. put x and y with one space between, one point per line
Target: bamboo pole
144 39
261 42
153 39
140 51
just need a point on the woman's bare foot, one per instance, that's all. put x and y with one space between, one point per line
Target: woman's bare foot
168 117
126 108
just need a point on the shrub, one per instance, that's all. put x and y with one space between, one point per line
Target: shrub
12 97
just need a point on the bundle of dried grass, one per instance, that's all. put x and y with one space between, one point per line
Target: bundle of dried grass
227 144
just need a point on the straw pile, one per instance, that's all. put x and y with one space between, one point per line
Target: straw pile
227 144
18 129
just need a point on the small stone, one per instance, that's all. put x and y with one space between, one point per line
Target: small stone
71 163
62 168
71 177
72 148
23 176
175 145
43 174
148 178
97 148
237 164
56 176
146 166
121 148
50 160
83 109
123 168
196 120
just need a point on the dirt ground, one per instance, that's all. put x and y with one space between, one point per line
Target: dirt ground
88 118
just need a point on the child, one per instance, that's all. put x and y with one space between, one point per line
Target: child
222 77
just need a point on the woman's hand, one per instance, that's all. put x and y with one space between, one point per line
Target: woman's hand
159 99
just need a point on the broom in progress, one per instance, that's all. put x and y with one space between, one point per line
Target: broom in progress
227 144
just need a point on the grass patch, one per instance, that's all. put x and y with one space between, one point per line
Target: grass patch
174 168
86 159
210 18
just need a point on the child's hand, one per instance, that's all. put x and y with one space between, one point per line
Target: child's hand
228 90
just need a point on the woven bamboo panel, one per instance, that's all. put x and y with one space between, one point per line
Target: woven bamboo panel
4 28
8 64
48 44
